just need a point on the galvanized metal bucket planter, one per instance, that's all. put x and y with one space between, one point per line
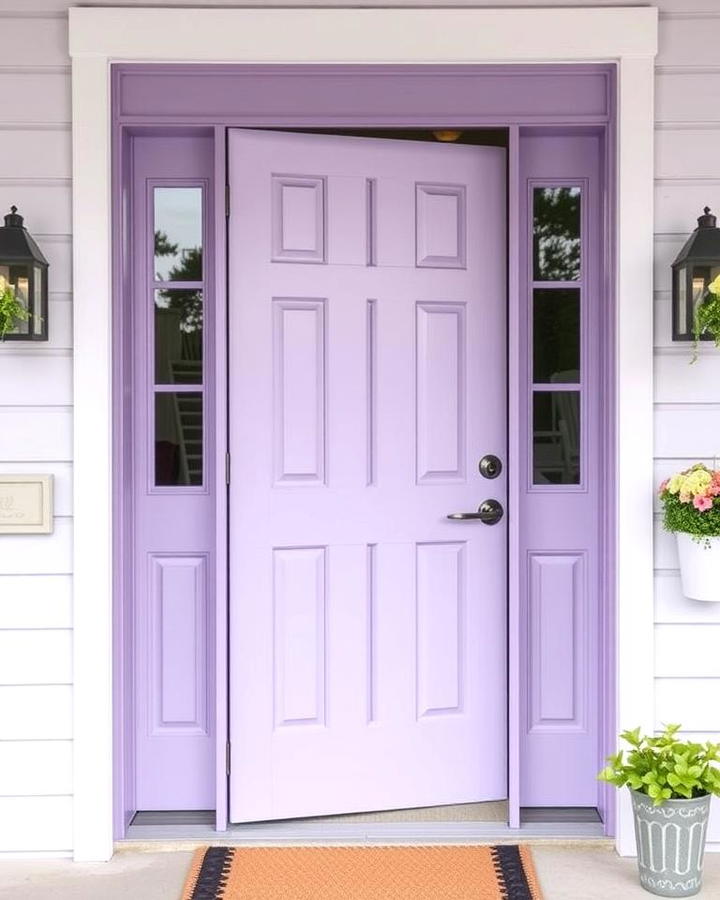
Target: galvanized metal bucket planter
671 844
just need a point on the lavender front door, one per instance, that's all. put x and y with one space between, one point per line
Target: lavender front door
367 380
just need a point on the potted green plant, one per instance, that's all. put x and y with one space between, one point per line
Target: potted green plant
671 782
691 509
12 311
707 316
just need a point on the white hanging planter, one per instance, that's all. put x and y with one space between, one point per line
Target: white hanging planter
699 567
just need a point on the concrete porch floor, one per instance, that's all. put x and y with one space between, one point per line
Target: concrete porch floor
567 872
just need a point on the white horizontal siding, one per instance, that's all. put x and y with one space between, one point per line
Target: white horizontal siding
678 44
35 154
35 823
35 433
692 702
35 601
35 768
35 96
686 153
36 375
45 206
667 247
688 430
679 202
34 41
58 252
676 381
33 656
47 554
687 96
690 650
35 712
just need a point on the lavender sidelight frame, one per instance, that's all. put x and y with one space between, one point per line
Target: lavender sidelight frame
166 98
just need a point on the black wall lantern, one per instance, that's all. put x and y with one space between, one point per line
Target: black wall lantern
23 270
696 265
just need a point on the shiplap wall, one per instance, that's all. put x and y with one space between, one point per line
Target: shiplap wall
36 403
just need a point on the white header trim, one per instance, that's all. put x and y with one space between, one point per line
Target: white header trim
362 35
99 36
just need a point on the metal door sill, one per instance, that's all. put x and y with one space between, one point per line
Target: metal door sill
279 833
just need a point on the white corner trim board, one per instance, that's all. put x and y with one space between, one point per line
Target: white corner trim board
626 35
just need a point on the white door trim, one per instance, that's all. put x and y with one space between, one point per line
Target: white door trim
626 35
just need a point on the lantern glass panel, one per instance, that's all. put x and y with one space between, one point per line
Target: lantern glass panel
37 300
681 309
19 279
699 277
702 275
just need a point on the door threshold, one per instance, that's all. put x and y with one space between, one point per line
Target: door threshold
158 828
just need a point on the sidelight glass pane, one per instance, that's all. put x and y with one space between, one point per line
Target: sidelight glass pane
178 233
556 233
556 336
178 336
556 437
178 438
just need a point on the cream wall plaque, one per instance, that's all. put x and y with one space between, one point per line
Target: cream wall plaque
26 504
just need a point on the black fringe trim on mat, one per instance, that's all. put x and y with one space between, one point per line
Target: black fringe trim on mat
510 872
214 872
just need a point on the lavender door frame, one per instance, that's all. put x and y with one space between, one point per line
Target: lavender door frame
164 98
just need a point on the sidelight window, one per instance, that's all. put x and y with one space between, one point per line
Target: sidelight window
177 298
556 364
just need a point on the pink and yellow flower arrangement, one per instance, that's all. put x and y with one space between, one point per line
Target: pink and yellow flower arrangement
691 501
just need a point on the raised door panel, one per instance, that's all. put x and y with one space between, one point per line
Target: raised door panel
441 413
440 226
299 603
299 390
298 219
557 651
179 645
440 604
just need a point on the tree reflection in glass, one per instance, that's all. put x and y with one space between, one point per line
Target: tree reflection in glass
179 317
556 233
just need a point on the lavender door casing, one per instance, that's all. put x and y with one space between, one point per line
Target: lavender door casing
176 99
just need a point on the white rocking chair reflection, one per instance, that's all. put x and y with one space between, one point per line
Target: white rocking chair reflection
557 449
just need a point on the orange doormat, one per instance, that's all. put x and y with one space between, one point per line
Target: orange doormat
503 872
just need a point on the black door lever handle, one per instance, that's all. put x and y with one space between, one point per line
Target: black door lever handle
489 512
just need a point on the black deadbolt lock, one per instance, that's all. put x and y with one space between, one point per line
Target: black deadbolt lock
490 466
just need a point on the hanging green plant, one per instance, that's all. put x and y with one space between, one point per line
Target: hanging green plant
12 311
707 316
